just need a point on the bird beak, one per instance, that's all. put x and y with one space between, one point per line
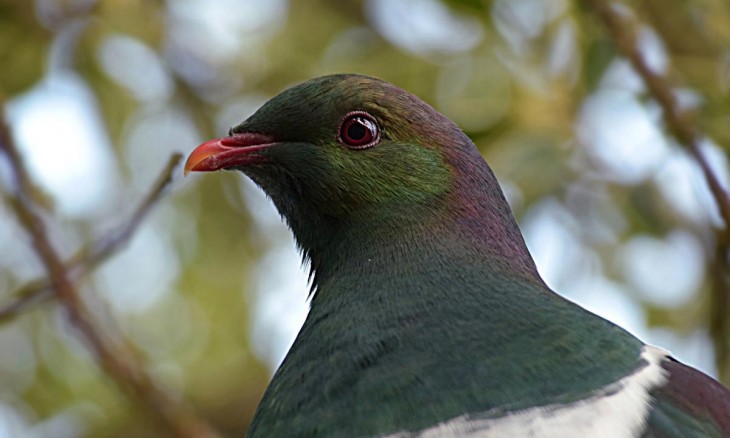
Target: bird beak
221 153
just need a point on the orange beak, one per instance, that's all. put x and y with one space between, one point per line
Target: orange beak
221 153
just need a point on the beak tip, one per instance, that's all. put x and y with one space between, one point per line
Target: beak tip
189 167
196 159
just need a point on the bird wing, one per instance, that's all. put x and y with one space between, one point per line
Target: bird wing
690 404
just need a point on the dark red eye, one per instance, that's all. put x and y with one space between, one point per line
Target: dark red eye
359 130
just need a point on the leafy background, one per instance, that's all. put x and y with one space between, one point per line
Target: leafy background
209 290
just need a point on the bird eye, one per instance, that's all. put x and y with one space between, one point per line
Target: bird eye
359 130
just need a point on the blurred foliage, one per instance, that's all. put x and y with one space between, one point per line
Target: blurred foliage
518 75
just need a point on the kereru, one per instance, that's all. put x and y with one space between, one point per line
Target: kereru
428 317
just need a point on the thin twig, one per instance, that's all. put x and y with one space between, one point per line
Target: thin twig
623 30
90 256
32 294
117 362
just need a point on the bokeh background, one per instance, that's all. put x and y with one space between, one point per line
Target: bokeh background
210 290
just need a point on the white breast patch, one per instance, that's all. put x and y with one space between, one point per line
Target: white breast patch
616 410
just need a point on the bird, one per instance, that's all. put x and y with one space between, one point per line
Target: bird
428 317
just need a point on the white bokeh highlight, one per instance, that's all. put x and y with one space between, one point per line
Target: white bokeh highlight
60 135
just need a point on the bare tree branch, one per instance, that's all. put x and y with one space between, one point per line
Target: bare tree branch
91 256
623 29
118 360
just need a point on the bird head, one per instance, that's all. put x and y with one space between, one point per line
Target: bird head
340 145
348 149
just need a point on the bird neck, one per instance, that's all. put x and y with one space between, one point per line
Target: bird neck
410 242
470 223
